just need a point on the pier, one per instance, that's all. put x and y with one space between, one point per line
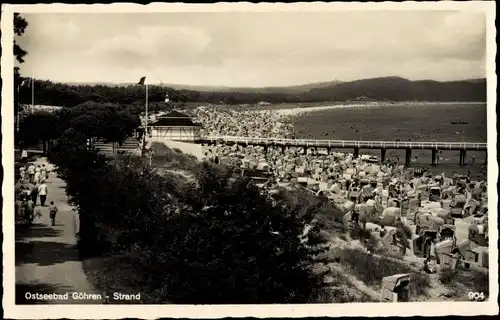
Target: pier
383 146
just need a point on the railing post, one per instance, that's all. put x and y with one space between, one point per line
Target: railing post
382 154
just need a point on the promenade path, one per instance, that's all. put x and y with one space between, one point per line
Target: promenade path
47 259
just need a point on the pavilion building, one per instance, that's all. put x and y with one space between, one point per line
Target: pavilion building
175 126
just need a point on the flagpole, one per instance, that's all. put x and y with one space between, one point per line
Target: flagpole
18 108
146 108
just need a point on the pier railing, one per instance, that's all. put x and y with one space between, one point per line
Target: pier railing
349 143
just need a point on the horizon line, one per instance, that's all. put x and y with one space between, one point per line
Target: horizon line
247 87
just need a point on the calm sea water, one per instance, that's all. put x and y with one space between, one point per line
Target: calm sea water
406 123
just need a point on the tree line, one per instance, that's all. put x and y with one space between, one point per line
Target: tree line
381 89
110 122
64 95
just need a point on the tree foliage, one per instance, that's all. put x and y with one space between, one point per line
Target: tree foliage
58 94
90 120
20 25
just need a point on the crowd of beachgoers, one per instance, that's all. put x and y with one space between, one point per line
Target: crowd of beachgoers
348 181
31 191
262 124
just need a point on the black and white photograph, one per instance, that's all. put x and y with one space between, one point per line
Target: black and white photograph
318 155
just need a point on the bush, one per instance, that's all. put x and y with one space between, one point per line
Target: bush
326 214
372 269
234 243
460 280
481 281
447 276
373 244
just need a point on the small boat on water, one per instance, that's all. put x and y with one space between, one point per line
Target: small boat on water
459 122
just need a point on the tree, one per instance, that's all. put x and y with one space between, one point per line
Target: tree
103 120
90 120
234 242
20 25
38 127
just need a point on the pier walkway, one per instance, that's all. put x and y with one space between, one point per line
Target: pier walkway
463 147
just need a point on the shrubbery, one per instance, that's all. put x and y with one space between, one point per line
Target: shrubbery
372 269
447 276
460 280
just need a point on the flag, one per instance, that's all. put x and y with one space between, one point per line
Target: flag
142 81
26 82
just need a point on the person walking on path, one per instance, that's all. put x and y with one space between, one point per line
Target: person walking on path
22 173
26 192
43 173
46 171
36 178
37 175
34 193
28 188
53 211
42 191
30 210
31 172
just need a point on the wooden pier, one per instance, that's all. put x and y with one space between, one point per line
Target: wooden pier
383 146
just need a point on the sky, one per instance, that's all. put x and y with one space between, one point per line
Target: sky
251 49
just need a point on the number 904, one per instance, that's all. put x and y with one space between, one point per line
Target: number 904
476 296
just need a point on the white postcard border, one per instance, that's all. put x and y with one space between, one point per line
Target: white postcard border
260 311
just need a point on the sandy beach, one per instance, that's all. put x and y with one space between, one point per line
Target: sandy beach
301 110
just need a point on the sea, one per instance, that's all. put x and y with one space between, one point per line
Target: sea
423 123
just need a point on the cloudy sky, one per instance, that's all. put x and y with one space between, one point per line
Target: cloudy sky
254 49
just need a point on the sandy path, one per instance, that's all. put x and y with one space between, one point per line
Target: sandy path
47 260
